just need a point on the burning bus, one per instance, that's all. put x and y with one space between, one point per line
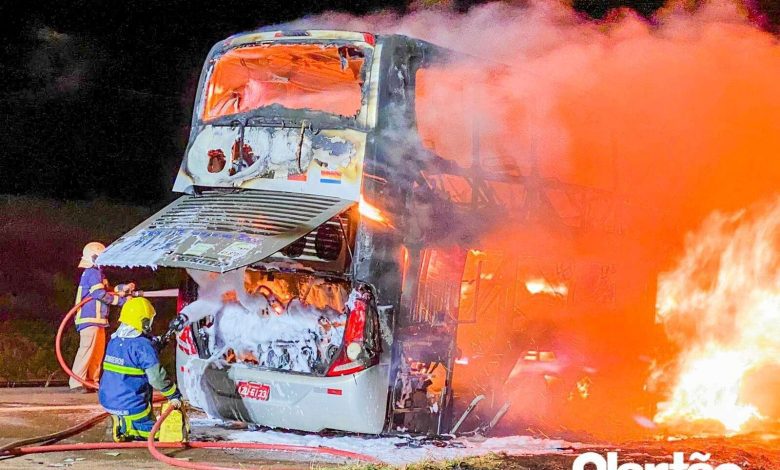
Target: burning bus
320 231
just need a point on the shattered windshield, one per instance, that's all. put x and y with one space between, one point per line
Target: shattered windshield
319 77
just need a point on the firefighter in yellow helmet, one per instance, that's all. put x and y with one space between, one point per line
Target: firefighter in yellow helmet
131 371
92 317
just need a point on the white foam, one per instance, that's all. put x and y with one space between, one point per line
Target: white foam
289 337
393 449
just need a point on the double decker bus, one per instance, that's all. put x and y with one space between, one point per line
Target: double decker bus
319 230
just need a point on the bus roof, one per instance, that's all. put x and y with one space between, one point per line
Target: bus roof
265 35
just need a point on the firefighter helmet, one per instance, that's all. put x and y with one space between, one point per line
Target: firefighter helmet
90 253
138 312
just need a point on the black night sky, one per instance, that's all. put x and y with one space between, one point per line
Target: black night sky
96 96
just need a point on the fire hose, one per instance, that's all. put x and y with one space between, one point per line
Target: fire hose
23 447
57 436
58 345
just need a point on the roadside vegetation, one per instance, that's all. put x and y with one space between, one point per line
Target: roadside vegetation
40 246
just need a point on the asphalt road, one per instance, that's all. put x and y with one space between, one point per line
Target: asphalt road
27 412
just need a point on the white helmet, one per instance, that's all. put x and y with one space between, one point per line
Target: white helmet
90 253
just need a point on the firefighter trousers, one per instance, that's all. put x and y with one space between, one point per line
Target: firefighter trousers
89 358
132 427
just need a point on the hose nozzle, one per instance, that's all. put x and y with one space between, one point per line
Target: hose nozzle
161 341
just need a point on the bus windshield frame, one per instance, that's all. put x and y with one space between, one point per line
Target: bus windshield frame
251 68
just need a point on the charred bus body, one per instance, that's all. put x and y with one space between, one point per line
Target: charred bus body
320 230
299 180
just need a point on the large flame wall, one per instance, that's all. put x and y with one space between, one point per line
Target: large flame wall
677 116
720 306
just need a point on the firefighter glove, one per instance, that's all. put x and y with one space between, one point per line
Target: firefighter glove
178 323
158 342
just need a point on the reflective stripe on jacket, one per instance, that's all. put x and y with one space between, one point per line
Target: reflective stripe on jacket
94 312
125 389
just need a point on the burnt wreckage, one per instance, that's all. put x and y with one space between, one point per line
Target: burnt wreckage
318 235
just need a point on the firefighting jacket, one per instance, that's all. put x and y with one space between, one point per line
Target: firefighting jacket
130 363
94 312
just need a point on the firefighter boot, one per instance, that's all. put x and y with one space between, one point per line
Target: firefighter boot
116 430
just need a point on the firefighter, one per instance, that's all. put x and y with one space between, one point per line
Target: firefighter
92 317
130 371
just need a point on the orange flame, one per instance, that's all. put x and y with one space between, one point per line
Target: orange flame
541 286
721 306
372 212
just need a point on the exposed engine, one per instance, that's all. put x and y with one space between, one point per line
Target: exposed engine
298 337
289 322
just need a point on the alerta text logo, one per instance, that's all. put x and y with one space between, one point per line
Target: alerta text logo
696 461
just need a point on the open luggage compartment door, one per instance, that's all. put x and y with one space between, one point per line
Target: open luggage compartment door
221 231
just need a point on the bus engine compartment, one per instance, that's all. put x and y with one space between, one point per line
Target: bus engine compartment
265 344
279 321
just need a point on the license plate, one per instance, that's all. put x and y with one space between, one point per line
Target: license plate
253 390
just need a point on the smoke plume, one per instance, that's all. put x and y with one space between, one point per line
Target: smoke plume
673 117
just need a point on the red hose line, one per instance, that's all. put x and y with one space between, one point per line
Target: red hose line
86 446
170 460
241 445
58 345
57 436
58 349
152 445
286 448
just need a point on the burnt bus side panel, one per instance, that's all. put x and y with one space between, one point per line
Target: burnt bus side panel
377 259
392 258
377 247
